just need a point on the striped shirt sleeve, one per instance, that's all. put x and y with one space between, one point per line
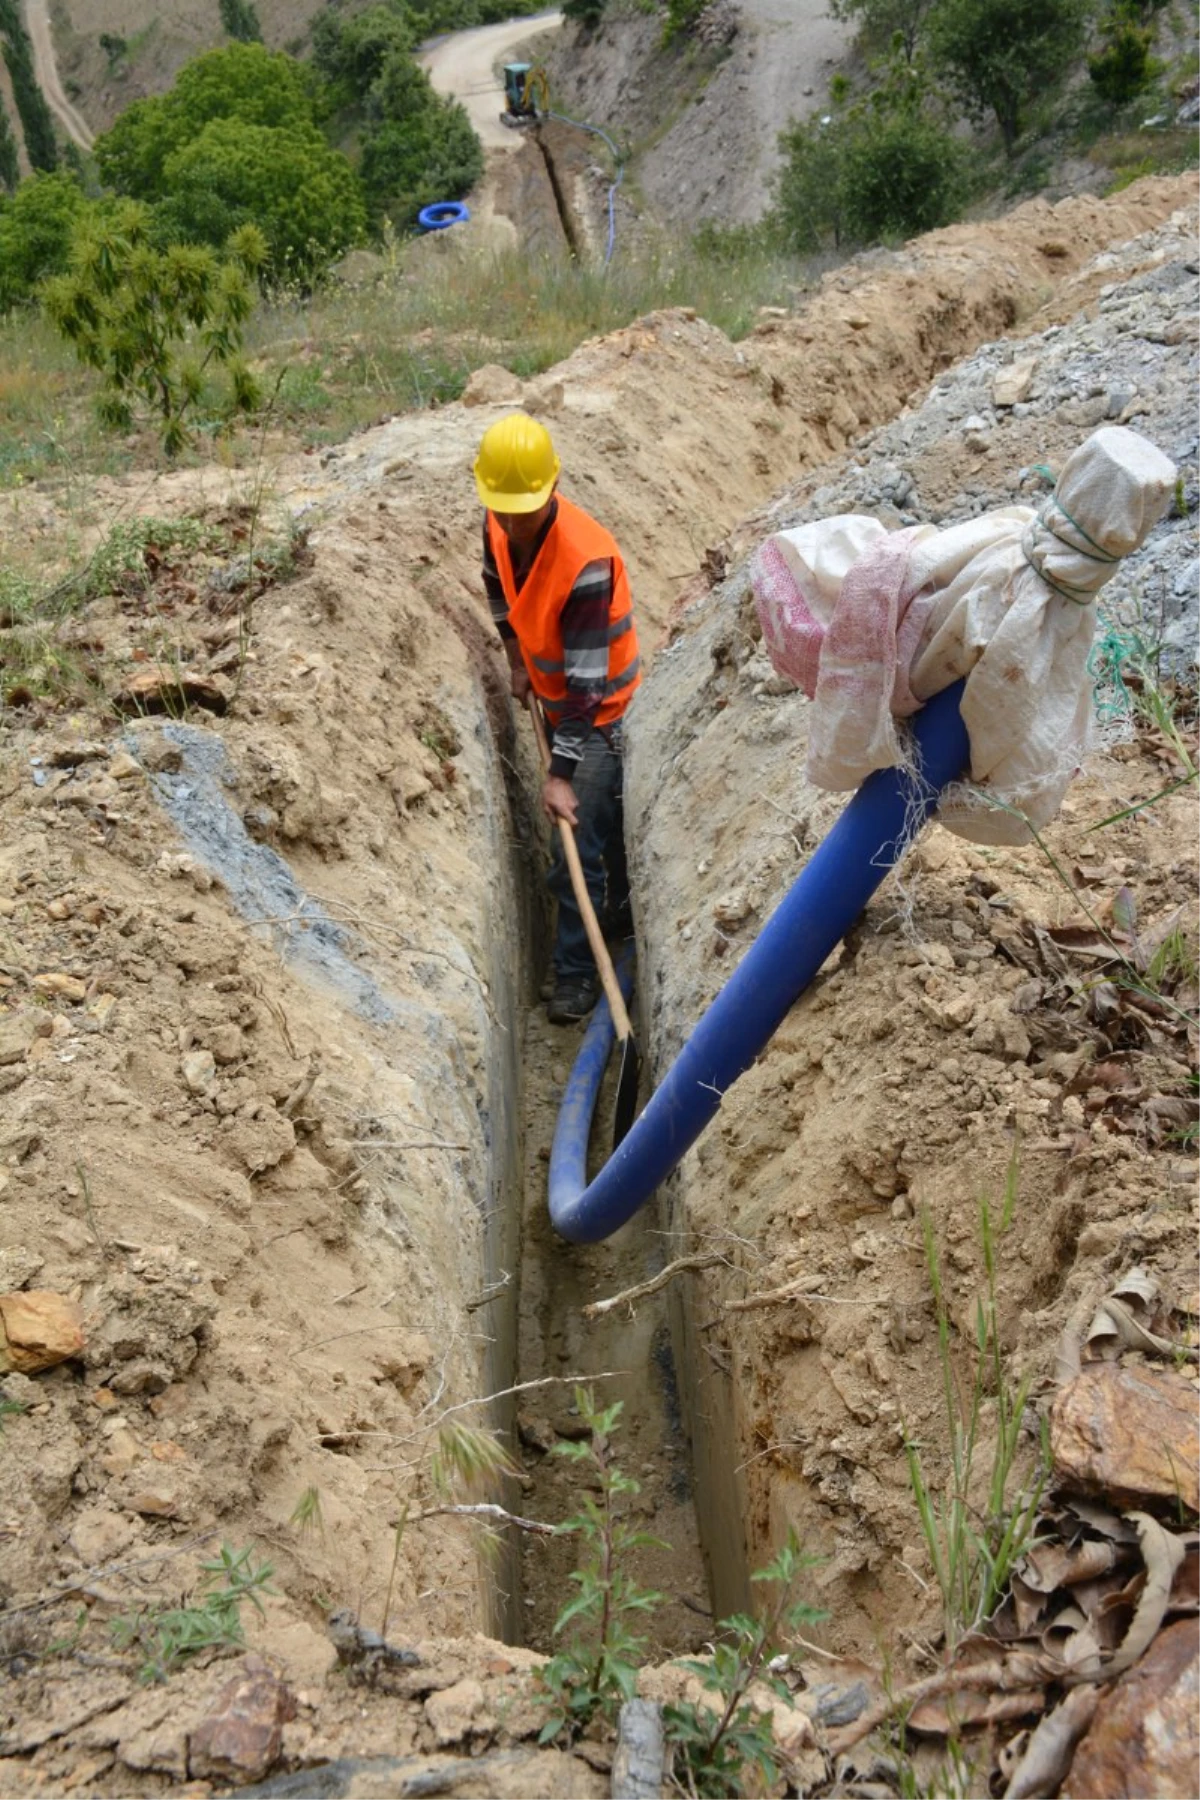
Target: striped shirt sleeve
585 662
493 589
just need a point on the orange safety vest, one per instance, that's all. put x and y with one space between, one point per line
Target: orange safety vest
535 614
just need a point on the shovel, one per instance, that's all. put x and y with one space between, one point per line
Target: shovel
631 1061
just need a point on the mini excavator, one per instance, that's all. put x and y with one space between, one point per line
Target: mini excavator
526 94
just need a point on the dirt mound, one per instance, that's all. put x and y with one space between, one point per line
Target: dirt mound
263 977
953 1049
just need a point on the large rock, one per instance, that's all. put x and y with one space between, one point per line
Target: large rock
242 1736
492 386
1145 1738
37 1330
1128 1433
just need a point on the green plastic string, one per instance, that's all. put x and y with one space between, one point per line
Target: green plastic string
1112 651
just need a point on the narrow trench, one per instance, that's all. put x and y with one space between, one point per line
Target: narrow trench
564 211
556 1281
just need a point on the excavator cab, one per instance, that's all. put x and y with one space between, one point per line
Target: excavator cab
526 94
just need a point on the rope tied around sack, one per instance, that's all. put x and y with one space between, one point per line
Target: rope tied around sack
1037 546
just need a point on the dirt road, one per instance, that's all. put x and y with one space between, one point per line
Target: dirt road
45 67
462 66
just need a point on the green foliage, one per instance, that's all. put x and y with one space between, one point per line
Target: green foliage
115 49
681 16
350 53
36 121
240 81
1000 54
9 167
1124 67
36 227
10 1409
167 1637
432 153
714 1747
303 197
973 1548
597 1670
239 19
416 146
885 22
154 322
119 564
587 13
885 166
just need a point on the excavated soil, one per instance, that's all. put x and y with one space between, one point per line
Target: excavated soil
277 1124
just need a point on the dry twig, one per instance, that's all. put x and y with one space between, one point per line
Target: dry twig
627 1296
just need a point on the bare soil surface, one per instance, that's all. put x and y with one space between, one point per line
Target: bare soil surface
277 1141
706 119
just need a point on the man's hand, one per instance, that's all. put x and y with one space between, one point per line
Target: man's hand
519 684
559 800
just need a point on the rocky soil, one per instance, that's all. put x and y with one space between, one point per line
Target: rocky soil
951 1033
271 1107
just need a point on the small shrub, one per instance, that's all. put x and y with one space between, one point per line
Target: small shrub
1124 68
884 166
167 1637
239 19
715 1747
154 322
597 1670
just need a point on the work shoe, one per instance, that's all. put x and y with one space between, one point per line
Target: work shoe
572 1000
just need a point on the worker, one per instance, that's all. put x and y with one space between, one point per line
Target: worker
559 596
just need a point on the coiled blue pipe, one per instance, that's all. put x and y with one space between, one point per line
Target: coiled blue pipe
812 918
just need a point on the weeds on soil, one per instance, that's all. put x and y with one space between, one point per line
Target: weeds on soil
10 1409
714 1749
597 1670
166 1637
972 1550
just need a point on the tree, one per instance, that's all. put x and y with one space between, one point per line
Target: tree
351 53
885 166
240 81
155 323
239 19
37 124
1001 53
885 22
304 197
902 174
587 13
9 167
1124 68
36 227
418 146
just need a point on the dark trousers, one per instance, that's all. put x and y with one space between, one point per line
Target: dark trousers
600 836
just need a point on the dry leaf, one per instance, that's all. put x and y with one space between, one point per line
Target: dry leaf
1163 1554
1047 1756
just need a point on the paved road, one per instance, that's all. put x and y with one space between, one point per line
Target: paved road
45 68
462 66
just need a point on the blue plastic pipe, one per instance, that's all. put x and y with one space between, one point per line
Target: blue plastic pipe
815 914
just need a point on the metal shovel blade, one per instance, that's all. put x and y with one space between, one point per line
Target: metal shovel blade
625 1110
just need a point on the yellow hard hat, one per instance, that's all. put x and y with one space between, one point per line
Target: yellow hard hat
516 468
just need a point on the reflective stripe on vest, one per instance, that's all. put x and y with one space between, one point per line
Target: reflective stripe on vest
535 614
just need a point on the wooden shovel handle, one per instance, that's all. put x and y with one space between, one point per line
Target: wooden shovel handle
591 924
